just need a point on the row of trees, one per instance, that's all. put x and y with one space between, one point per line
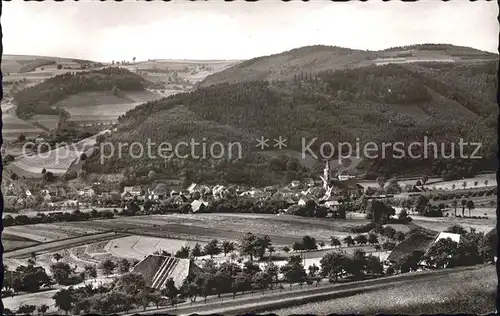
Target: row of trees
74 216
31 278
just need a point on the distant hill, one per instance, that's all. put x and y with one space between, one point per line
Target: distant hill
40 98
359 100
27 63
317 58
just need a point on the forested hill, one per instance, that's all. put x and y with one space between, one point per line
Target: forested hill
317 58
40 98
386 103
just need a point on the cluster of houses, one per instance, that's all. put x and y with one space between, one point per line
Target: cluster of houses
323 192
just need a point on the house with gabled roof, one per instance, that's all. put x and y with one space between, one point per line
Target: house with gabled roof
196 205
131 192
158 192
157 269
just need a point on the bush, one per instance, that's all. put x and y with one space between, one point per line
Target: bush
59 66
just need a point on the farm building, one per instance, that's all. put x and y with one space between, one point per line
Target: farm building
444 235
157 269
130 192
197 204
158 192
418 241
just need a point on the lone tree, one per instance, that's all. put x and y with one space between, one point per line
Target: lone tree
64 300
124 266
464 203
293 271
470 206
107 267
196 252
454 204
21 137
212 248
425 178
57 257
183 252
335 242
381 182
171 291
248 245
348 241
227 247
361 239
42 309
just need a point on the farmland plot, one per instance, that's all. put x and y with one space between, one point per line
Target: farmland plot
13 126
442 223
48 232
470 291
283 230
11 242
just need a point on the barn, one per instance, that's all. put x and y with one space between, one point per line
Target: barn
157 269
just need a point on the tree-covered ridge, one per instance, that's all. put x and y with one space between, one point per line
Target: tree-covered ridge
284 65
390 103
313 59
40 98
450 49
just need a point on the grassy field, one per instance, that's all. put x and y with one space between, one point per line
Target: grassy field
438 183
93 107
48 121
13 241
467 292
442 223
48 232
13 126
283 230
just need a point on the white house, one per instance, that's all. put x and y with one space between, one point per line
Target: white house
295 184
444 235
332 204
130 192
47 197
86 192
196 204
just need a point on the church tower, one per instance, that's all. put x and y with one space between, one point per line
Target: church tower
326 176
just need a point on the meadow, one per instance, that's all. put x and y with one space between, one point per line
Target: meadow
13 241
13 127
283 229
471 291
47 232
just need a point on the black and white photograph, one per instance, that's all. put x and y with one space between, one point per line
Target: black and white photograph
232 157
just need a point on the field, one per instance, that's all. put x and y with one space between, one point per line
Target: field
137 247
467 292
48 121
283 230
103 106
13 241
442 223
13 126
188 71
438 183
47 232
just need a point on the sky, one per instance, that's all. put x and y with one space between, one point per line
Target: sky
105 31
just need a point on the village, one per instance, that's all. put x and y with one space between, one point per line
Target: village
394 225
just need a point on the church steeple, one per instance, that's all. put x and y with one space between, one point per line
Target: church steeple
326 176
